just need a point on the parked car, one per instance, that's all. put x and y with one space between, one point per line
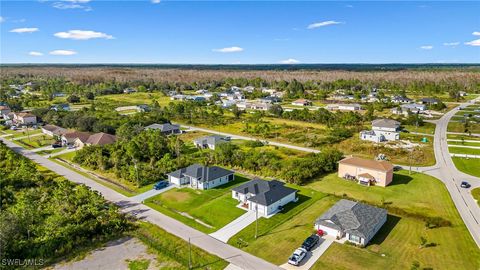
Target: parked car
13 128
310 242
297 256
56 145
397 168
160 185
71 147
465 184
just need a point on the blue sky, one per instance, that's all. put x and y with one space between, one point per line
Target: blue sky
242 32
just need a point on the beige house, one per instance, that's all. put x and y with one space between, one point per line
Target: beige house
365 171
24 118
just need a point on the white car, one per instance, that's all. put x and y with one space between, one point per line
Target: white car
297 256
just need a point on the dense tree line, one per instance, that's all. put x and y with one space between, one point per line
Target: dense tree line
44 218
259 161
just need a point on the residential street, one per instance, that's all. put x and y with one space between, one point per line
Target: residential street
231 254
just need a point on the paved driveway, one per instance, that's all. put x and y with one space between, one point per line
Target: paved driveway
151 193
234 227
312 256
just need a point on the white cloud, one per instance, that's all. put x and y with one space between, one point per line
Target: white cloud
35 53
475 42
426 47
156 1
451 44
476 33
63 52
290 61
24 30
349 6
321 24
229 49
72 4
82 35
2 19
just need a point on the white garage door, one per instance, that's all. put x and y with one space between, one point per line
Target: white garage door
328 231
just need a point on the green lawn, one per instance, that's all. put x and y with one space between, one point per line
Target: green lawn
476 194
214 207
399 238
460 150
20 132
36 141
427 128
172 252
465 137
465 143
279 235
135 99
459 127
469 166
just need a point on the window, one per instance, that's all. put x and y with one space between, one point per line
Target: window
353 238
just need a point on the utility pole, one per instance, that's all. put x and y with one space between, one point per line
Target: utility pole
189 254
256 218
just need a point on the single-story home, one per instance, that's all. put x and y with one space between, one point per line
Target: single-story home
355 221
366 171
166 128
201 177
96 139
71 137
129 90
401 99
60 107
24 118
429 101
210 141
54 131
267 197
344 107
302 102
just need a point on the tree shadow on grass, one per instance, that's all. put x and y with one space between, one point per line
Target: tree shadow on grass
383 233
400 179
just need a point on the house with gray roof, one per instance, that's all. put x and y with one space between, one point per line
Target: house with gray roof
210 141
382 130
201 177
265 197
166 128
356 222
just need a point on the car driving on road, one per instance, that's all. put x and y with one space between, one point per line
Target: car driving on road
465 184
297 256
310 242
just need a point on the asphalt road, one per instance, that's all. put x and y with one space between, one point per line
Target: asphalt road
128 205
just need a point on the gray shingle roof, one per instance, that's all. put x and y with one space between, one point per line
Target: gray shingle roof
388 123
266 192
203 172
353 217
163 127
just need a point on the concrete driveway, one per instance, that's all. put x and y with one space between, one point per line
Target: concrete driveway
312 256
234 227
151 193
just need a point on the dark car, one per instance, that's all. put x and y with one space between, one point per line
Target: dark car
465 184
310 242
56 145
160 185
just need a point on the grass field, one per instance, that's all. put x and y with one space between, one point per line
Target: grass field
469 166
465 143
36 141
465 137
460 150
458 127
172 252
20 132
427 128
214 207
476 194
135 99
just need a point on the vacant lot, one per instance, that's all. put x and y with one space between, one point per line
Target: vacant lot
427 128
135 99
461 150
465 143
459 127
36 141
213 208
469 166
